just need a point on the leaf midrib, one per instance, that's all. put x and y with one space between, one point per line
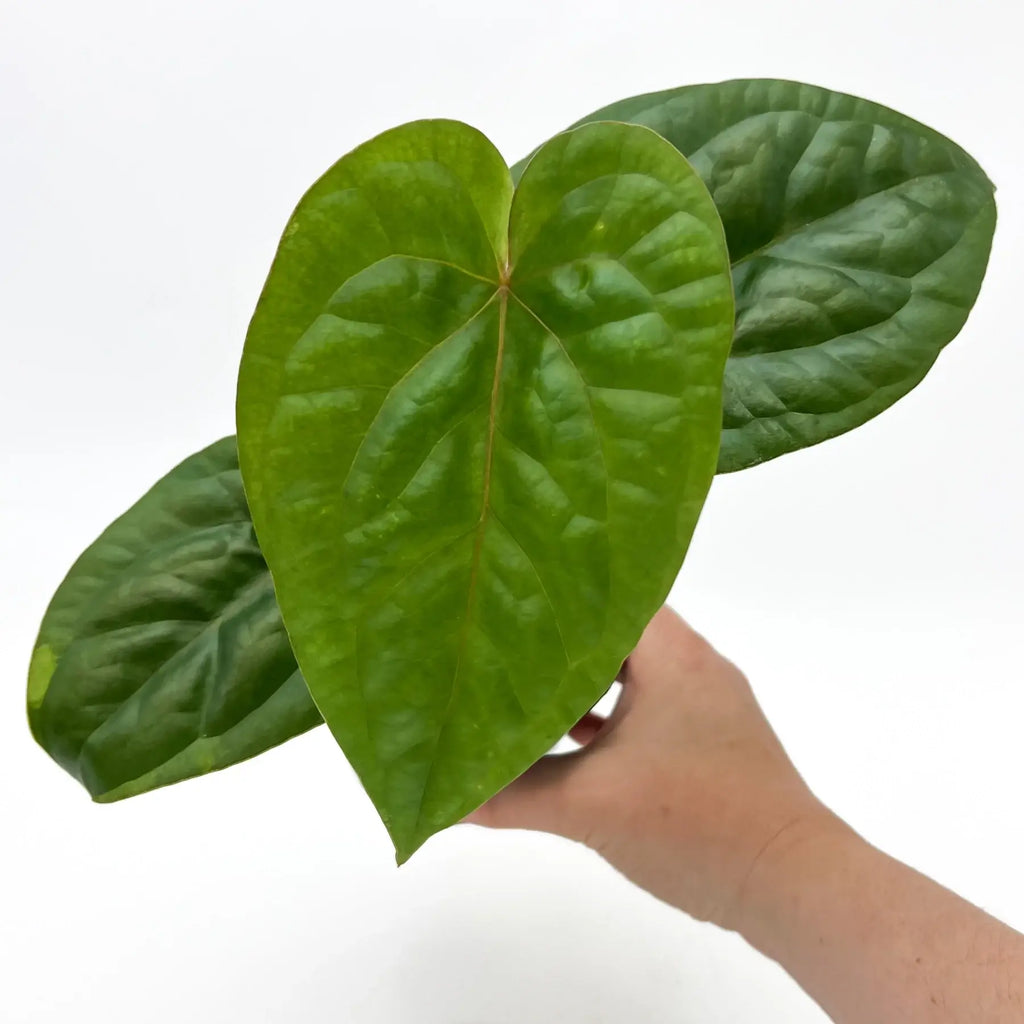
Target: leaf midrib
474 573
481 525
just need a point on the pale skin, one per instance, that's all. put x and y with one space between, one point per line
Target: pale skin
688 792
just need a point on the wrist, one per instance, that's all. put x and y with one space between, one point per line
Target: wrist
813 844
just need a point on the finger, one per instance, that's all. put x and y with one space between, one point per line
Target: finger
587 728
540 799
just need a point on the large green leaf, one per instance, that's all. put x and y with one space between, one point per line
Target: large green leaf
476 431
858 237
162 654
820 345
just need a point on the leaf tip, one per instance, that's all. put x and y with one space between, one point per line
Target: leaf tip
406 846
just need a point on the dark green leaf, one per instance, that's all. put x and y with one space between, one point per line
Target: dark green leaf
859 239
476 433
162 654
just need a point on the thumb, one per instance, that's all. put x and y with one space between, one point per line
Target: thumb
540 799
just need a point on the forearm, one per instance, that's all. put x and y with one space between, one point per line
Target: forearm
872 940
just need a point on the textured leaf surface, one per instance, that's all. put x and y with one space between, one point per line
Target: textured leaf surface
162 654
476 433
798 324
858 237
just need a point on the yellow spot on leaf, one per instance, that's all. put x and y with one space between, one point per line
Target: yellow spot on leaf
40 672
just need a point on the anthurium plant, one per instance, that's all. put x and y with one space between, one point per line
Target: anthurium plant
479 409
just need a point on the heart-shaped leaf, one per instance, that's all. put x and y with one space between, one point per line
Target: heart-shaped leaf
858 237
162 654
476 431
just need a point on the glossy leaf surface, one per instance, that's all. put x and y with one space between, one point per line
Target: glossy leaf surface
162 654
858 237
476 431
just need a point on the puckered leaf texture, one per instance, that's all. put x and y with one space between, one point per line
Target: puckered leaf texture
476 430
858 238
162 654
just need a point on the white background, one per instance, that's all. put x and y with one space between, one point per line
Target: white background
150 153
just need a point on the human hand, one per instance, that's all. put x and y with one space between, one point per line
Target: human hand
688 792
683 788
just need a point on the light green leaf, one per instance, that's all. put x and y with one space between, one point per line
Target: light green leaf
162 655
476 431
858 237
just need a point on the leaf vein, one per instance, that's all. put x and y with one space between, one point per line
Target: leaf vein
481 527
